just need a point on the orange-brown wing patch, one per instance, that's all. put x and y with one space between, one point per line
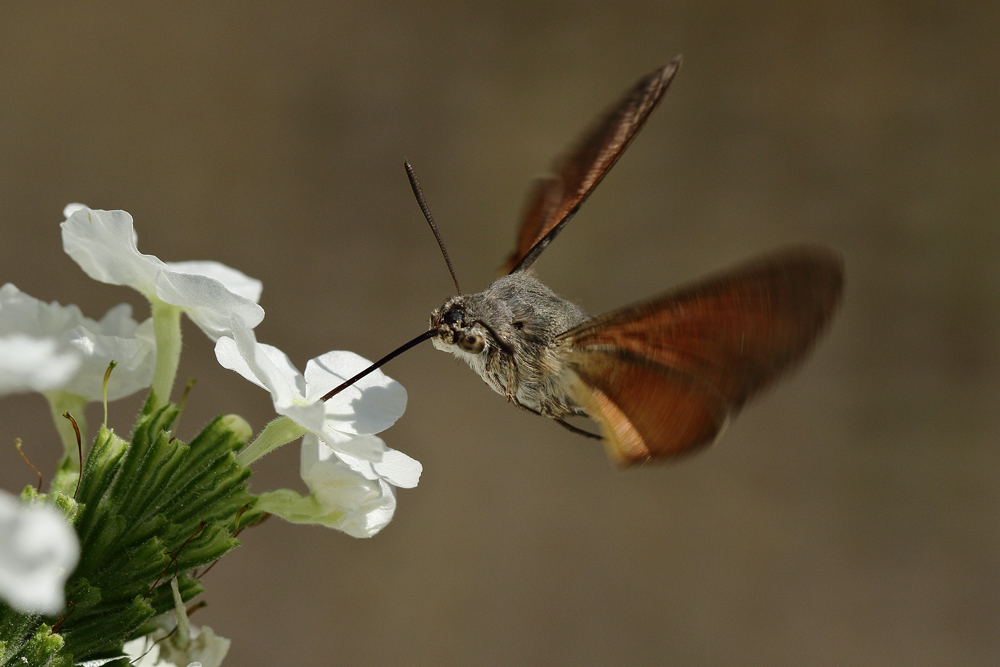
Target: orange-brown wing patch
646 411
677 365
555 198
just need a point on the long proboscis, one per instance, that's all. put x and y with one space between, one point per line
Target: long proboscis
387 358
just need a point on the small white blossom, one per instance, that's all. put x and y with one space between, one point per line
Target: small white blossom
346 423
208 647
38 551
176 642
340 497
104 244
76 342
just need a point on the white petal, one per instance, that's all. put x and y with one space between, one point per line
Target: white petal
103 243
116 337
207 301
368 456
366 447
270 365
70 209
270 368
34 364
365 506
399 469
203 648
142 652
38 551
21 313
283 370
164 648
370 405
135 357
118 321
393 466
235 281
227 352
130 647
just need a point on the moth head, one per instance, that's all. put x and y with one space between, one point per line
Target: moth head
457 329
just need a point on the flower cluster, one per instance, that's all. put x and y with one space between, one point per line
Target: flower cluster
154 506
341 456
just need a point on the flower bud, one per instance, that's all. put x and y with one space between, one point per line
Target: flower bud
241 427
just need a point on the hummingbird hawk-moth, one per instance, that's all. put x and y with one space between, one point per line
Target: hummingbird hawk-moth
660 377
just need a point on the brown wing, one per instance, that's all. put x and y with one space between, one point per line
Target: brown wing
554 199
662 377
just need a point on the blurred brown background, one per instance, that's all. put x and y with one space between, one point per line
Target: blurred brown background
850 517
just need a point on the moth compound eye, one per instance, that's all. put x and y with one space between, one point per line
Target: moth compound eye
452 317
472 343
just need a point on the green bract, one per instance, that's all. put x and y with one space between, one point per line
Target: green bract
146 511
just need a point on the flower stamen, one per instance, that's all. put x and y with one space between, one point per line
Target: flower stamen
17 443
181 403
79 448
177 554
104 389
62 619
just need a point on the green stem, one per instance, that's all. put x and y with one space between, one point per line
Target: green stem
183 638
279 432
167 327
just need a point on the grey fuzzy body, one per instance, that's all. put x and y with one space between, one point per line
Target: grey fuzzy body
508 334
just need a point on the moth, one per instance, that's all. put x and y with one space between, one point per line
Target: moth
661 377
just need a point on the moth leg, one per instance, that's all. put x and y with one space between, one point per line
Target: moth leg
564 424
513 399
574 429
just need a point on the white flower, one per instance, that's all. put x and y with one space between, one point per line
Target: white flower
34 364
103 243
208 647
346 423
38 551
176 643
340 497
75 342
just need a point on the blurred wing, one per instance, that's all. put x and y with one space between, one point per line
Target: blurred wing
554 199
663 376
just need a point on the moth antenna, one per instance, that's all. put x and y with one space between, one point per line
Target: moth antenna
387 358
418 193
